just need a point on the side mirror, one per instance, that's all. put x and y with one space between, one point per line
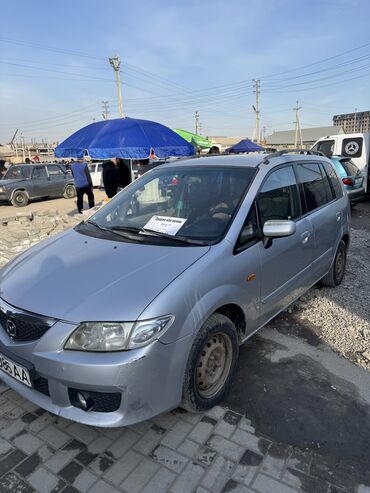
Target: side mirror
277 229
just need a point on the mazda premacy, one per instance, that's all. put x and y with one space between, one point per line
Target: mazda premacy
142 307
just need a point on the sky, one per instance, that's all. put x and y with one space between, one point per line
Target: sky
178 58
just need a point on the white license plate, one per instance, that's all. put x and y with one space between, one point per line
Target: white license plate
14 370
358 180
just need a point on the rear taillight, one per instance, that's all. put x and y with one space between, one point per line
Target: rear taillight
347 181
174 181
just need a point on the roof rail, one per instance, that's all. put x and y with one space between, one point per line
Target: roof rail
291 151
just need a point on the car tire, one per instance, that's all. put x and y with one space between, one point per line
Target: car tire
336 273
19 199
69 192
211 365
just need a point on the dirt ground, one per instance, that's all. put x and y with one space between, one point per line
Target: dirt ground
63 206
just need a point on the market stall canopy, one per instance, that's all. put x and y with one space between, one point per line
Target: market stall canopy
196 140
245 145
128 138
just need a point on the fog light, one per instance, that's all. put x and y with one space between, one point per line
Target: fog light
81 400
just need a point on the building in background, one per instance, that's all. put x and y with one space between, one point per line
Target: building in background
358 122
285 139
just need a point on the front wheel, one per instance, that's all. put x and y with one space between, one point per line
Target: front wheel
19 199
211 364
69 192
336 273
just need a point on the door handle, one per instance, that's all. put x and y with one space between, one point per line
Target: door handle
338 216
305 237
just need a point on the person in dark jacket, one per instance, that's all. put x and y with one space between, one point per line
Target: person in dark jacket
110 178
3 168
83 183
124 175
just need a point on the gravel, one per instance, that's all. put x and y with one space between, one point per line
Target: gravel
341 316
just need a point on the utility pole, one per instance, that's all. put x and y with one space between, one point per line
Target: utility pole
23 149
115 63
297 127
196 122
106 111
257 89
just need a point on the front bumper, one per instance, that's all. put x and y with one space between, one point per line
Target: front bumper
149 379
5 196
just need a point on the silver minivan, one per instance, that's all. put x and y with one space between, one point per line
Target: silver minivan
142 307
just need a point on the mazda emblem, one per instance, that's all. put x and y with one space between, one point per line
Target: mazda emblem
11 328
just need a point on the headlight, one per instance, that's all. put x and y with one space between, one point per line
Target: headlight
2 189
117 336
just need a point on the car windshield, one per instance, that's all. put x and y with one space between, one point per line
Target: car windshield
193 202
18 172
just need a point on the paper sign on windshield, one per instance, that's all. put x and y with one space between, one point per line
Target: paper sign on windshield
164 224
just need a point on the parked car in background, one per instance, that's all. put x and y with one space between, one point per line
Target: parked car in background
351 176
96 170
354 146
22 183
143 306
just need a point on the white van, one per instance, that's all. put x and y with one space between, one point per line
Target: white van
96 174
354 146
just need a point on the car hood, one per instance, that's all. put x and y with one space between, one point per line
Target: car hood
12 181
80 278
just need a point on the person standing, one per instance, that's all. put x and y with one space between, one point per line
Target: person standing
3 168
110 177
83 183
124 175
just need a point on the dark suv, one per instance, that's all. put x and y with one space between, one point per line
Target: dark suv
24 182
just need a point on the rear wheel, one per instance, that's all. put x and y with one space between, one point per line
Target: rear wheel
211 364
336 273
20 199
69 192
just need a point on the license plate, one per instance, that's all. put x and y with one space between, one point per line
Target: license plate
358 180
14 370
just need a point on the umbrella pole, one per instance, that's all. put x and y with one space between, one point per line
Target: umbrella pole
131 173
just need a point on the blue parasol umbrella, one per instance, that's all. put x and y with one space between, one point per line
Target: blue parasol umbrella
245 145
128 138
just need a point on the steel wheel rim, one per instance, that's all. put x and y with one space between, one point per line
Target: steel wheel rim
70 192
339 264
214 365
20 199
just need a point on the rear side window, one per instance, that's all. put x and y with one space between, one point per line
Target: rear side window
278 198
316 186
333 177
326 147
350 167
54 170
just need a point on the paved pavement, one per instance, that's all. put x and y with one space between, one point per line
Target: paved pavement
297 419
64 206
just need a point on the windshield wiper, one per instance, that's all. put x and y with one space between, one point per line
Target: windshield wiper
159 234
89 221
112 230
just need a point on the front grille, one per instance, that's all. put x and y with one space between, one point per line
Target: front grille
41 385
23 326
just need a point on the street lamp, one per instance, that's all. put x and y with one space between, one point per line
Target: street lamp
115 63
